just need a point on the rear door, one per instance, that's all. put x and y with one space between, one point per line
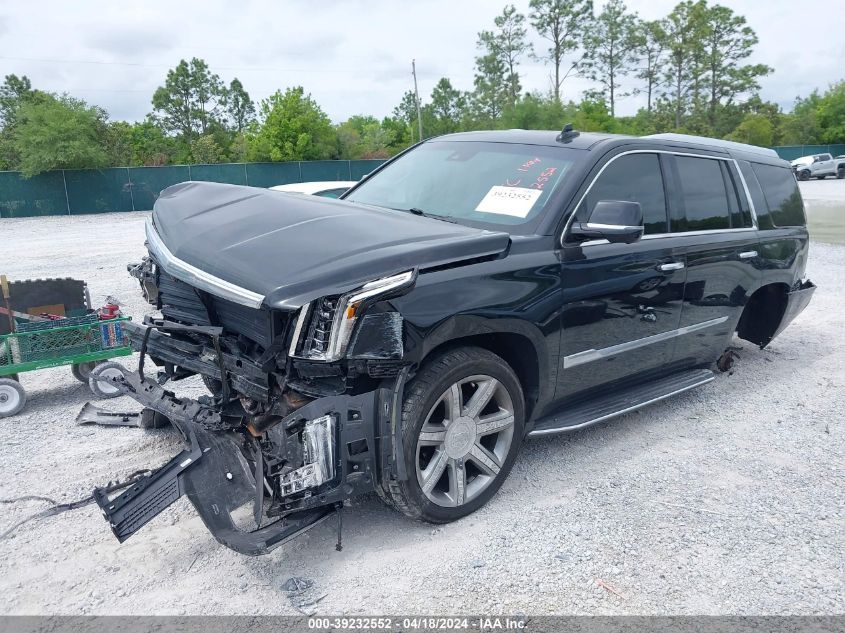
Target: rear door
714 227
621 302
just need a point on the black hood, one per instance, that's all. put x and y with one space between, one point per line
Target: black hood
292 248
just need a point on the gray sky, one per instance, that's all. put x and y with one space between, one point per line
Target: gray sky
353 56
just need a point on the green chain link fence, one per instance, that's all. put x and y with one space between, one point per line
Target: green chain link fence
791 152
80 191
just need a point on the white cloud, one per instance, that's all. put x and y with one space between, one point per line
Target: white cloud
353 56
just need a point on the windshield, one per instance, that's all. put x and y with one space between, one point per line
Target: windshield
488 183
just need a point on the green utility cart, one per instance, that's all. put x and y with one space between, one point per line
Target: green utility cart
83 342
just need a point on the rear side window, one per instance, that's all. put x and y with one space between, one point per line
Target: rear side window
704 193
636 178
781 193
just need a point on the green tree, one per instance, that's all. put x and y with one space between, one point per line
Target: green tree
206 151
446 109
755 129
610 49
192 100
683 30
831 114
240 108
728 41
801 126
562 23
293 127
60 133
497 82
490 94
513 45
649 50
364 137
150 145
406 112
15 92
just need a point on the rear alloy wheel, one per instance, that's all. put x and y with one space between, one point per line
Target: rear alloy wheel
463 421
12 397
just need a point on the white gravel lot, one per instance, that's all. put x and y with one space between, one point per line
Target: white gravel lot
725 500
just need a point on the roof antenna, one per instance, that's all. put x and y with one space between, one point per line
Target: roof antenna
567 134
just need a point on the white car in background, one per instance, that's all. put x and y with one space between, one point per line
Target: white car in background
327 189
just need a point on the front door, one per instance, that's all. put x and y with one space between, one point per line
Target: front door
621 302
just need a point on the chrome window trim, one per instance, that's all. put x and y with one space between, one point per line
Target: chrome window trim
589 355
728 159
199 278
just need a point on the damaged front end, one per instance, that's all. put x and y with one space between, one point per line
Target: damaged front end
254 491
299 420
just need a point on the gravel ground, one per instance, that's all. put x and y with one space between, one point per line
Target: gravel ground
725 500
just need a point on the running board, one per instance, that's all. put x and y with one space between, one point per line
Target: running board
630 399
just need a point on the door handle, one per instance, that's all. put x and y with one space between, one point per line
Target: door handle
747 254
670 266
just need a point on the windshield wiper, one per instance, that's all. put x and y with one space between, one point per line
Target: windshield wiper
417 211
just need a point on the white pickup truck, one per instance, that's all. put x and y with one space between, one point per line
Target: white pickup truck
818 166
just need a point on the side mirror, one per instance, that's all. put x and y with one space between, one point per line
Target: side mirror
617 221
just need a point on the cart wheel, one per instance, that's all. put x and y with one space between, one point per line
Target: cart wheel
82 371
105 389
12 397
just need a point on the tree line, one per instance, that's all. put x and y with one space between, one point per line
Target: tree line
689 68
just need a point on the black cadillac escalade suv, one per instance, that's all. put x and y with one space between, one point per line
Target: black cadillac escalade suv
476 290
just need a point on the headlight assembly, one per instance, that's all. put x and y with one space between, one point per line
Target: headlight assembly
324 327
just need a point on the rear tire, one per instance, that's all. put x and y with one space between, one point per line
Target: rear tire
12 397
103 388
840 173
462 418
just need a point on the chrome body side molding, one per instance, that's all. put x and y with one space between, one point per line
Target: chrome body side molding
589 355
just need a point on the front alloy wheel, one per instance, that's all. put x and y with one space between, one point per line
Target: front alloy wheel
462 420
464 441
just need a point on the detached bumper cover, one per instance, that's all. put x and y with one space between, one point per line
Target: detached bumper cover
796 300
213 472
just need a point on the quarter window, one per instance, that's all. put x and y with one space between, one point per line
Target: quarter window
636 178
782 195
704 194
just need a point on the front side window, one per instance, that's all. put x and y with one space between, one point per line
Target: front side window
484 183
704 194
635 178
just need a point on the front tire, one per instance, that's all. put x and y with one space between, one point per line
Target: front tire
463 418
803 175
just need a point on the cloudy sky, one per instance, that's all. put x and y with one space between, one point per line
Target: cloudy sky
354 56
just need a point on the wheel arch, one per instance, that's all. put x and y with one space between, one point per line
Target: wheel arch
518 348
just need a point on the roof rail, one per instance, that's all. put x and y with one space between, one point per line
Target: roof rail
715 142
